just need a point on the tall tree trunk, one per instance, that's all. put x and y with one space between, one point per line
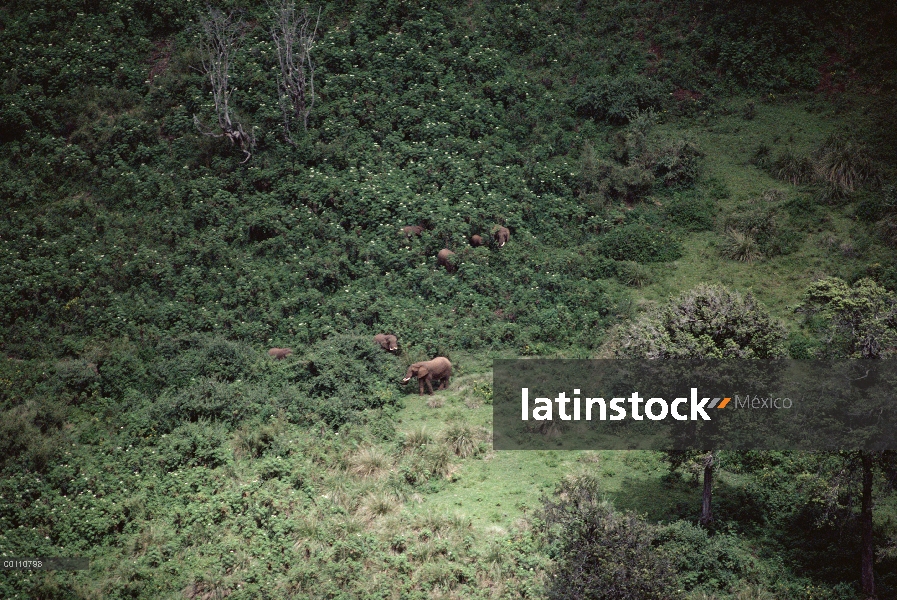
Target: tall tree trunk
706 512
867 577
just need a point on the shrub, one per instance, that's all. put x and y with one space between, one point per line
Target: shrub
202 443
602 553
627 183
340 377
617 99
767 237
226 360
856 321
709 563
641 243
709 321
677 164
694 213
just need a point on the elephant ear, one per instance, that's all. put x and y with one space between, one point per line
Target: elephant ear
422 372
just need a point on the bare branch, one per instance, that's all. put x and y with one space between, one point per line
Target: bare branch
294 34
221 36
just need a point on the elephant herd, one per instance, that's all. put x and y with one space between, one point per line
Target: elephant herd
444 257
439 369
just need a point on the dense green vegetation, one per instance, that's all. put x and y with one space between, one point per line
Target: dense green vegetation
635 150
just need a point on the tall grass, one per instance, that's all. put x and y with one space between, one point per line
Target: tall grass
741 246
844 165
794 168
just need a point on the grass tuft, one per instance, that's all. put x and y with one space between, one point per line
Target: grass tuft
416 438
633 274
741 246
844 165
794 168
463 440
378 504
369 462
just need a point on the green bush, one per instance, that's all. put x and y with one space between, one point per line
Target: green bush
709 321
677 164
691 212
343 375
603 553
205 399
194 444
618 99
640 243
765 227
712 564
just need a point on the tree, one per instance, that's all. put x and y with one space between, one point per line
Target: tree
852 322
603 553
857 322
709 321
220 38
294 36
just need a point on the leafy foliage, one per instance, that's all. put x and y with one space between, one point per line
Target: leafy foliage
618 99
709 321
602 553
858 321
640 243
144 272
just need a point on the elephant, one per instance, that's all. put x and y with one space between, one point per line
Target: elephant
502 235
412 230
446 259
387 341
279 353
439 369
476 241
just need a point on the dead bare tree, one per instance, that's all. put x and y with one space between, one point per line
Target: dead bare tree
294 35
220 38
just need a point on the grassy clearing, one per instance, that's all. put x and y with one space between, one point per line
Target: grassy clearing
828 240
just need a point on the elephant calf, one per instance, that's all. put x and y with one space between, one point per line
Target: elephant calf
502 235
388 342
446 259
279 353
476 241
412 230
439 369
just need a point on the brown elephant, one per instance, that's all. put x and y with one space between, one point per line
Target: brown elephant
438 369
502 235
279 353
446 258
412 230
387 341
476 241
